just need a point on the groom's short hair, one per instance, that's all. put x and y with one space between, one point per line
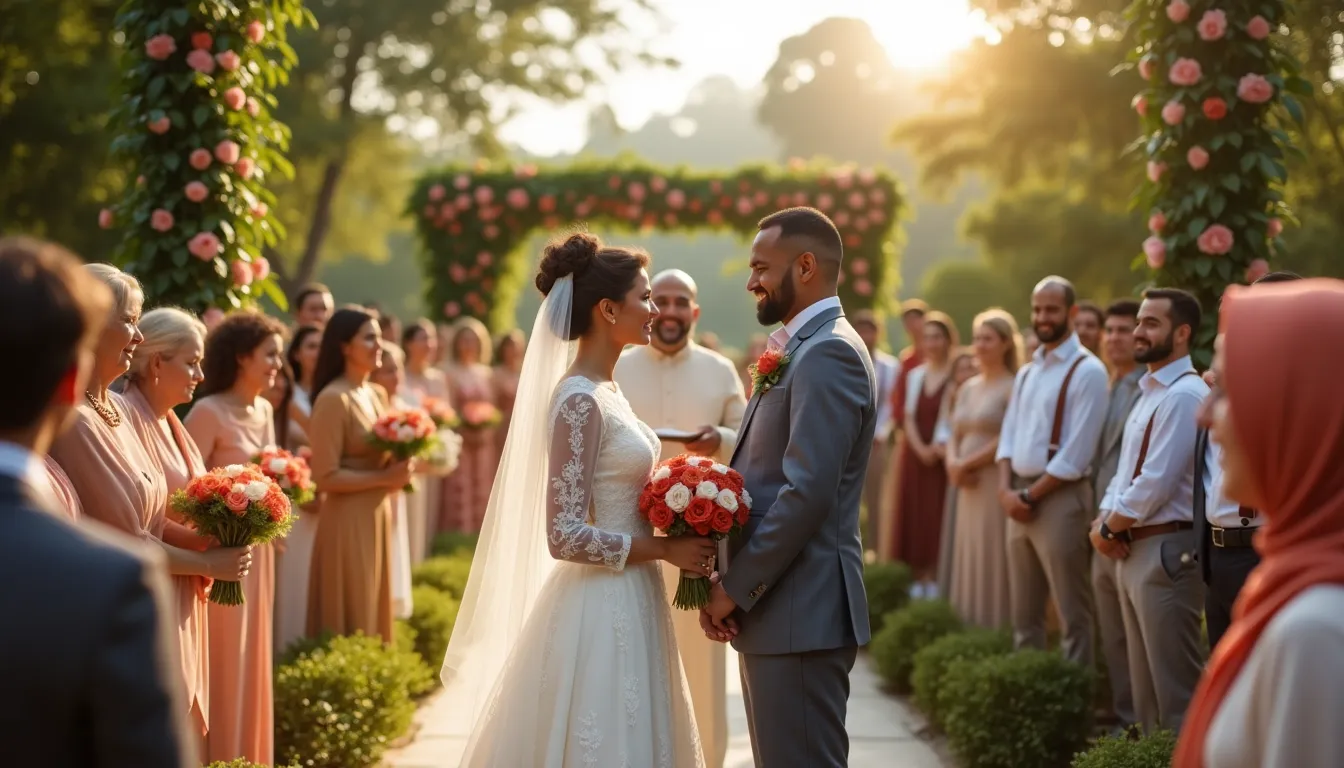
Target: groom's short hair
810 230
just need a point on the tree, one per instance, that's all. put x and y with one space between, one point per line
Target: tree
963 289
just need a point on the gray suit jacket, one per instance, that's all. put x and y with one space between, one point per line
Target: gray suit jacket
796 571
1124 395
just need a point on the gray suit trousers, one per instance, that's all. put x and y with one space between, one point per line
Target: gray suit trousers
810 731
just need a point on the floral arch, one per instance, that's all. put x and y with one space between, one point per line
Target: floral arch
472 221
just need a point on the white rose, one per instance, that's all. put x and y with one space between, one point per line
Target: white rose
405 434
677 498
256 490
746 498
706 490
694 461
662 474
234 470
722 469
727 499
238 488
278 466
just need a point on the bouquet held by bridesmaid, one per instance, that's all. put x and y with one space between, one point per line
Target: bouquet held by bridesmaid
406 434
288 471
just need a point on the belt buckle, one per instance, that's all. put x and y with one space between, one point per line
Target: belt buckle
1217 535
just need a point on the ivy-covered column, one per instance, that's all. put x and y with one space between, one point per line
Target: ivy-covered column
1219 83
196 129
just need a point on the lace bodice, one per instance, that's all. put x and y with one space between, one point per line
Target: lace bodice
601 458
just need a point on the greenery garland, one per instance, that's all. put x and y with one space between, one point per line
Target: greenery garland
471 221
196 126
1219 84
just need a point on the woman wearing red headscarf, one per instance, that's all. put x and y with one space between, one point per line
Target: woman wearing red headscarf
1273 691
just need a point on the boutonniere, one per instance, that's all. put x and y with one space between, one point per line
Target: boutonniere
767 369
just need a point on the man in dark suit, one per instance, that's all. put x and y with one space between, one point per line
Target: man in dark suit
86 640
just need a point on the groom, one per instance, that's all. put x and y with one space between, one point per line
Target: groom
791 598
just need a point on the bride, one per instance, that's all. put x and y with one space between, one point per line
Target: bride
563 653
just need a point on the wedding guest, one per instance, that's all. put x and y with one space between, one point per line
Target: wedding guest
280 395
301 357
910 358
964 367
978 587
65 499
887 368
469 381
87 657
508 367
231 423
1272 692
350 586
1046 449
420 343
922 493
1122 317
390 375
1088 326
389 325
294 554
313 305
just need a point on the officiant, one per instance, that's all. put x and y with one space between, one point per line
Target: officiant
693 398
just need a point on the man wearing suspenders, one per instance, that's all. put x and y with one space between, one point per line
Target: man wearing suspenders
1146 516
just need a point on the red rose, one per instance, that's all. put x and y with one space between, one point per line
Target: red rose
646 501
721 520
200 491
700 511
661 487
691 477
1215 108
743 512
661 516
768 362
702 528
676 461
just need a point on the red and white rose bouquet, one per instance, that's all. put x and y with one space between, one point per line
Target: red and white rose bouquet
288 471
695 496
239 506
406 434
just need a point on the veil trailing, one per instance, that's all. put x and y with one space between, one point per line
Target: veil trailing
512 557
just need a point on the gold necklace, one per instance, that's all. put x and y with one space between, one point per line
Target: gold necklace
106 411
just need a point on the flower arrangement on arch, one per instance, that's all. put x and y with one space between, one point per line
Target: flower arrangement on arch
288 471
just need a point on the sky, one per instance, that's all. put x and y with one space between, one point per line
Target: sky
740 39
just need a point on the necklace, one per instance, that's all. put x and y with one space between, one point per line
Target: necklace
106 411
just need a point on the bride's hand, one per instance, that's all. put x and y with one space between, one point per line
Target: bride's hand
691 553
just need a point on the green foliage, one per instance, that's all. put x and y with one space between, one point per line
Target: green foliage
471 221
935 660
1151 751
453 543
432 617
446 574
245 763
888 588
1029 709
964 289
904 633
340 704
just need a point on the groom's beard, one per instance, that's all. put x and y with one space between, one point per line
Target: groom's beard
773 307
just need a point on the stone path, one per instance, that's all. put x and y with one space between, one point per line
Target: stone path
881 730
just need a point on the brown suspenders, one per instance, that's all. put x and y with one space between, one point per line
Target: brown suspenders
1057 429
1148 433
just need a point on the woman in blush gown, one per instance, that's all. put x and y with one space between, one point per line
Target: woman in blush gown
420 344
564 652
231 423
470 380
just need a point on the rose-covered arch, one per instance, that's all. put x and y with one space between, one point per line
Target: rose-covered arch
472 220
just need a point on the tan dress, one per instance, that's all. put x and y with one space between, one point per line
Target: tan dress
424 517
241 707
468 489
350 586
979 588
180 461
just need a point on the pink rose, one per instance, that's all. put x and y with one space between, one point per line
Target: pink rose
229 60
714 218
490 231
637 192
261 268
199 159
456 272
202 41
461 181
212 317
1197 157
1173 112
253 107
1157 222
1217 240
1147 66
484 195
260 210
196 191
159 126
236 501
863 287
1254 89
1185 72
658 184
676 199
859 266
841 219
1215 108
235 98
1140 104
256 31
245 166
1256 270
437 192
227 152
201 61
1155 170
452 309
161 220
744 206
517 198
242 273
106 219
1274 228
160 47
825 202
1178 11
1156 252
204 246
1212 26
1258 28
484 258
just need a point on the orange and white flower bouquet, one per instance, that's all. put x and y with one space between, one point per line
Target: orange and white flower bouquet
406 434
288 471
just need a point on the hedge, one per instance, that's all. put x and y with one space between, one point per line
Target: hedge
888 588
432 623
446 574
449 543
904 633
934 661
245 763
1153 751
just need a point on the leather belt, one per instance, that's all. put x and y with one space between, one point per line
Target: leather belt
1142 532
1232 537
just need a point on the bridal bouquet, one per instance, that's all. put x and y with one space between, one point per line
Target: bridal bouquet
238 505
695 496
441 412
480 415
407 434
288 471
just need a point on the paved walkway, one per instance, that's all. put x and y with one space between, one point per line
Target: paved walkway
881 730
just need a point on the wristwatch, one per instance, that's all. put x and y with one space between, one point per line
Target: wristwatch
1109 535
1025 496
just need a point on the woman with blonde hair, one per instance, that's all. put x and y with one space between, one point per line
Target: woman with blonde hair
470 381
978 586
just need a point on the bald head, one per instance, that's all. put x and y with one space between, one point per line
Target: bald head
675 279
1058 286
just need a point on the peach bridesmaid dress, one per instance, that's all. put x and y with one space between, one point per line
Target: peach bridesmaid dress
350 586
468 489
180 461
424 517
242 717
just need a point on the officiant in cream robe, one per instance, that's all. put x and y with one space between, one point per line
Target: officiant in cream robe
676 385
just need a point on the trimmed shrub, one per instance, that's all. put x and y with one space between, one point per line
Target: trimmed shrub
932 663
446 574
304 646
904 633
340 704
1029 709
888 587
452 543
245 763
432 619
1153 751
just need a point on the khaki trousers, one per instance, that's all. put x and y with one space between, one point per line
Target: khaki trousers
705 663
875 494
1051 556
1111 622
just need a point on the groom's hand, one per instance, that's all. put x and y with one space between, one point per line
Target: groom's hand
715 618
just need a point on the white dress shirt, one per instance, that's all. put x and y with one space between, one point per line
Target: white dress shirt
887 368
1025 436
1164 490
685 390
780 338
1218 509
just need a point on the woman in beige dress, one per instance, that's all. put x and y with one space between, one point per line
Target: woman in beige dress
420 344
350 587
979 581
470 379
964 366
391 377
231 423
294 556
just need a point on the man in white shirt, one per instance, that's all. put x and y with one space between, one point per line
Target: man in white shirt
1046 447
1146 517
678 386
887 368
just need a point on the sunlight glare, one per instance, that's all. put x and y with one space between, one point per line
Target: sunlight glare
924 34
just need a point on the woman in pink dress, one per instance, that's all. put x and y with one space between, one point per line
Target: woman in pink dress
62 491
420 344
508 367
231 423
470 380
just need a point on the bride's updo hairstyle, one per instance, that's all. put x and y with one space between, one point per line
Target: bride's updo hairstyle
600 272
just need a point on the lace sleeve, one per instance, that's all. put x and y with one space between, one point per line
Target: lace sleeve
576 435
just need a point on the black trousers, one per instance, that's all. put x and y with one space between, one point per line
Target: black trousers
1228 569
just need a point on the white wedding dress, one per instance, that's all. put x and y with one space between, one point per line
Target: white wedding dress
594 678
